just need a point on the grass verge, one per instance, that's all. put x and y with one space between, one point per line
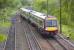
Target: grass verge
68 31
3 36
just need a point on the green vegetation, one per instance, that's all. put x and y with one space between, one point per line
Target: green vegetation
68 31
3 37
7 9
5 24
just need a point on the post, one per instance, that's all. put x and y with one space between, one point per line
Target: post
47 8
60 19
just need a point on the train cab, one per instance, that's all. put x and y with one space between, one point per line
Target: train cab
51 26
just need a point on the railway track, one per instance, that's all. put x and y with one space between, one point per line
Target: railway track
20 39
10 43
41 41
64 43
56 45
31 40
50 44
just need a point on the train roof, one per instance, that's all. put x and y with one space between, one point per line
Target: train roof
38 14
41 15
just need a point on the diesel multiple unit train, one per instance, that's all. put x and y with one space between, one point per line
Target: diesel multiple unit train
45 25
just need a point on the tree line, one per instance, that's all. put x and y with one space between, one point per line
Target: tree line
67 8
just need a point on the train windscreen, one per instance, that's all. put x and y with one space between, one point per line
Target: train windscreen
51 23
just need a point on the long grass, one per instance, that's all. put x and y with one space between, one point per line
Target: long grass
68 31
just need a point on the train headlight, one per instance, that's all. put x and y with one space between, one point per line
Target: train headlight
51 28
46 29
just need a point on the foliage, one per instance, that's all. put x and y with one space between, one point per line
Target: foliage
8 8
25 2
68 31
3 37
7 3
5 24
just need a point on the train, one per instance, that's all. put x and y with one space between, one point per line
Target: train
46 25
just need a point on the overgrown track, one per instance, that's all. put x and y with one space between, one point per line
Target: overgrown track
10 44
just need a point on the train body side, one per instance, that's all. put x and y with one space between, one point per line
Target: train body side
39 20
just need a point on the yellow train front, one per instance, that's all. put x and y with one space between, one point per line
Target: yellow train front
50 26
